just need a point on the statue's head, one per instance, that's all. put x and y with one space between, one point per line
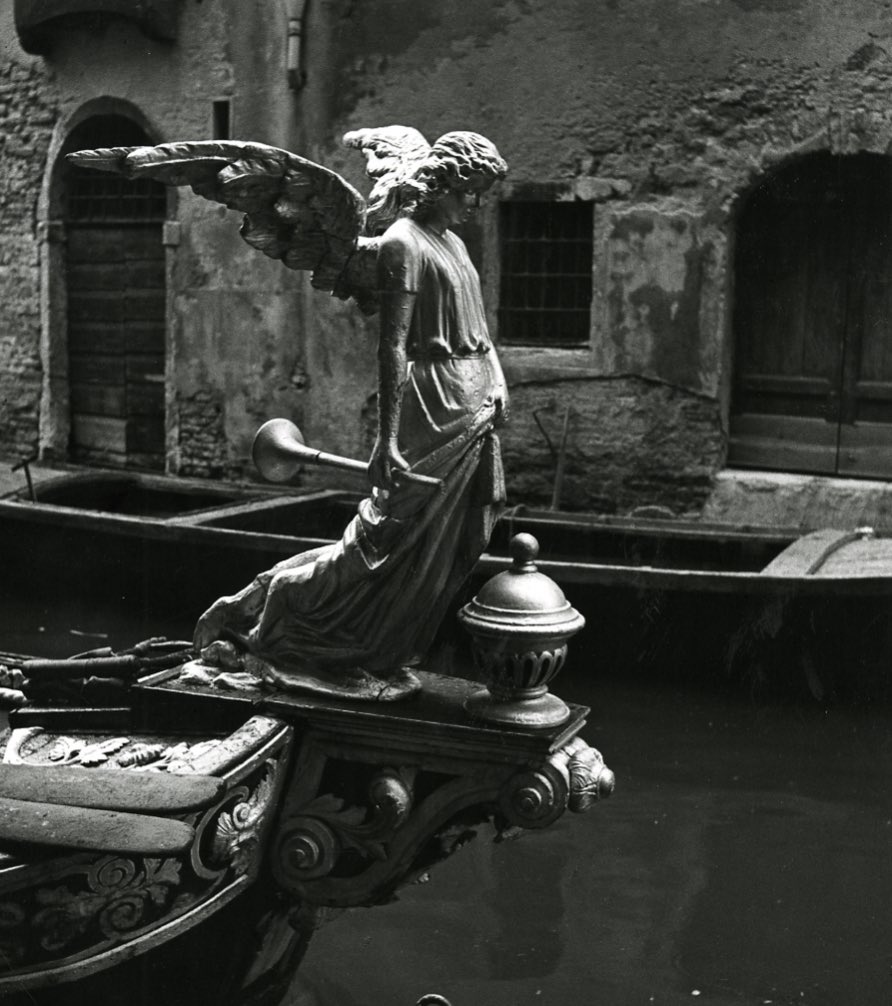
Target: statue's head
457 162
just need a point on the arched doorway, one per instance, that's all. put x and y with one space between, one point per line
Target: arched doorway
813 319
115 284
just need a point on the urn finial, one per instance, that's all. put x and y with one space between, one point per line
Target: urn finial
519 623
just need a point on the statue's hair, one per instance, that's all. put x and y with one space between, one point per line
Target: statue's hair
392 154
453 160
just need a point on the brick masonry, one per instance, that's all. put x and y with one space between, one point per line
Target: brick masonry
663 114
27 116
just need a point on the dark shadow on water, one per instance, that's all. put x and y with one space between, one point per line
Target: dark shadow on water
742 859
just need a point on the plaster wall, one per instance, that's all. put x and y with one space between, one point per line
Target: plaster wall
663 113
234 318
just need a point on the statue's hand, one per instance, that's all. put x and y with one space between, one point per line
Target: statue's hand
209 627
386 459
502 408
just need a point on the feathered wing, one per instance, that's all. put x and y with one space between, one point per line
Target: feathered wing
392 154
295 210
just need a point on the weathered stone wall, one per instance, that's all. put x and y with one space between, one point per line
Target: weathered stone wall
27 115
235 342
663 113
629 443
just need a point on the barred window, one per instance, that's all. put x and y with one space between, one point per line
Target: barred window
546 289
99 196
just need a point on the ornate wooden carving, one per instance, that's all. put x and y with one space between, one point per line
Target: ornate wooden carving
324 804
68 916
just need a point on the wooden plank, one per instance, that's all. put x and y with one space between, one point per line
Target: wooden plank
146 400
866 556
807 554
786 384
880 390
86 338
100 433
89 305
112 243
92 368
145 434
793 443
98 400
109 788
144 305
145 337
865 449
142 274
23 822
145 367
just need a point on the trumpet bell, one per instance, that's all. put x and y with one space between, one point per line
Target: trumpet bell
279 450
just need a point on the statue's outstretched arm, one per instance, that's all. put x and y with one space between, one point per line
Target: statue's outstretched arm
398 268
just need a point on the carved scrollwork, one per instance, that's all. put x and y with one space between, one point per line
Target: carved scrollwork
535 798
590 779
306 848
311 842
114 895
235 832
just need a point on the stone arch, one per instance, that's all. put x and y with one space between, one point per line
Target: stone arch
55 408
812 350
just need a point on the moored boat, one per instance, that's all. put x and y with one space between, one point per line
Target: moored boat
180 831
682 598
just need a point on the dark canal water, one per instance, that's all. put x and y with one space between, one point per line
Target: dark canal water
744 859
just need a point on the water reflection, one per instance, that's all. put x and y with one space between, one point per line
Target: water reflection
743 860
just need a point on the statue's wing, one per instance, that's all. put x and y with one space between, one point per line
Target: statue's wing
295 210
392 154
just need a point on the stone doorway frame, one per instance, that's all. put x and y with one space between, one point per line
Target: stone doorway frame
55 413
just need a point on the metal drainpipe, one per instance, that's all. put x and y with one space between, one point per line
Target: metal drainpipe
296 13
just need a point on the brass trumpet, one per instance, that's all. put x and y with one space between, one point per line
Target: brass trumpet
279 450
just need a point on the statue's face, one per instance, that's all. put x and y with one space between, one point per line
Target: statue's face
460 202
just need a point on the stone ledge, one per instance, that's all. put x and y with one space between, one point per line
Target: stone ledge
803 502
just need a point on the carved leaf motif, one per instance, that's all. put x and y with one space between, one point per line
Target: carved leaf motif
368 830
237 831
115 898
330 807
96 754
62 748
142 754
159 875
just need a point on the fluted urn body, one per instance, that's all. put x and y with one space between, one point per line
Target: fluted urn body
520 623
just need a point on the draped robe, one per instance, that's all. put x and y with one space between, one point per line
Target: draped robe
375 598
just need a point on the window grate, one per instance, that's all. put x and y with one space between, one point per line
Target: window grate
546 288
99 197
107 198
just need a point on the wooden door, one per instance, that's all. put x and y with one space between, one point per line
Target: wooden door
813 366
116 317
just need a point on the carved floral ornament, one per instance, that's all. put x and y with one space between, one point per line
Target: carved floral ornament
84 909
91 904
336 853
97 903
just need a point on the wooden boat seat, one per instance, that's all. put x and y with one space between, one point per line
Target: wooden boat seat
809 555
112 810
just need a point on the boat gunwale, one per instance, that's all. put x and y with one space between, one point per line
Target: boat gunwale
639 576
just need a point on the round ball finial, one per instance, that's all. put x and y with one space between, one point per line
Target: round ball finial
524 549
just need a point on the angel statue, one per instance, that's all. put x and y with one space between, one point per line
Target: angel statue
352 619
